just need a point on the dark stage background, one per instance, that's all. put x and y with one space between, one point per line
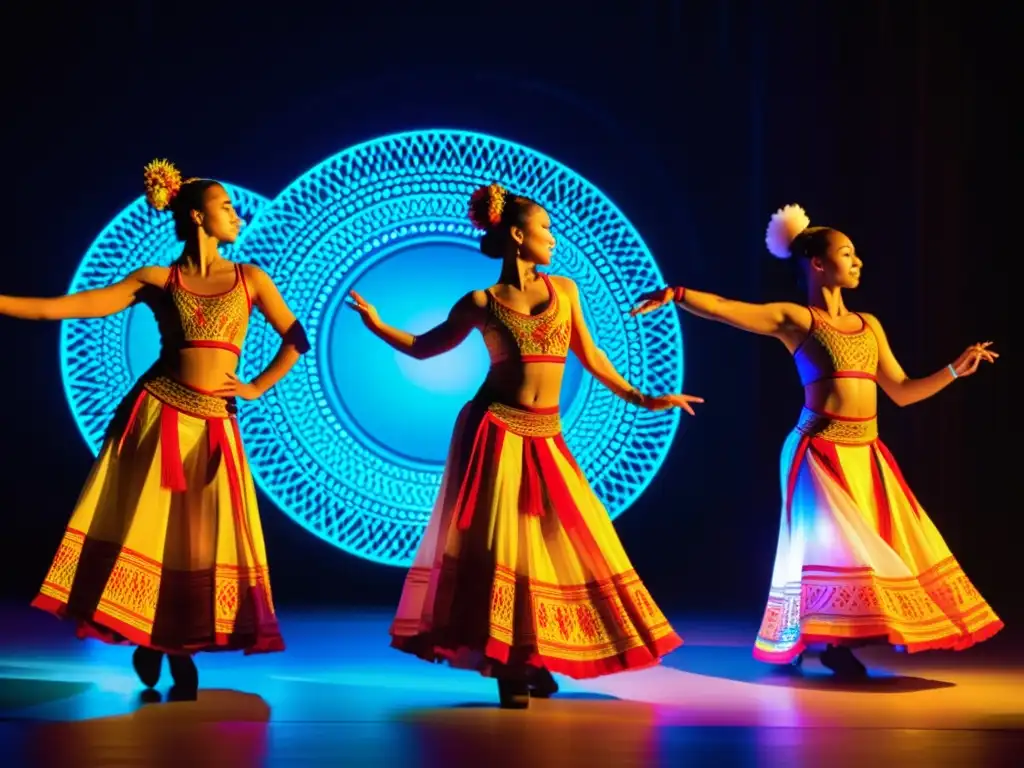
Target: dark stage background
890 120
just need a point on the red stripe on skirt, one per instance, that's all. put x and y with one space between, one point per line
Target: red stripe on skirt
881 500
825 452
172 472
132 418
219 443
531 489
469 490
542 486
895 469
218 440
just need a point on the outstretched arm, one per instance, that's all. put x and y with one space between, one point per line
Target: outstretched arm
438 340
777 319
904 390
597 364
268 299
99 302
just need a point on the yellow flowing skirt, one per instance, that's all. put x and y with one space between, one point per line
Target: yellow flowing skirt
520 565
165 547
858 559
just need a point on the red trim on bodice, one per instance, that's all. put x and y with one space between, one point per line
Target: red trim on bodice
210 321
828 353
542 338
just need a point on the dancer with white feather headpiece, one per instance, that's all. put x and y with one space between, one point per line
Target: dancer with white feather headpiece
858 559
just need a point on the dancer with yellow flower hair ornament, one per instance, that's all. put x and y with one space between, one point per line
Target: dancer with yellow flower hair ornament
165 549
520 572
858 560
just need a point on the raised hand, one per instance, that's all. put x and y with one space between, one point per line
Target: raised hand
233 387
652 300
972 357
366 310
664 402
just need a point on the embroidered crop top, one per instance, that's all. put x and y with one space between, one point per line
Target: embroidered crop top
217 320
540 338
828 353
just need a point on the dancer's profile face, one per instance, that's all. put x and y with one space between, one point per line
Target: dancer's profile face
534 237
839 266
218 217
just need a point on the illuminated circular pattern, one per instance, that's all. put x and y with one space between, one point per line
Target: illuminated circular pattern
337 444
101 358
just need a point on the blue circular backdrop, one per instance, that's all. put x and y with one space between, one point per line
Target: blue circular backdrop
101 358
351 444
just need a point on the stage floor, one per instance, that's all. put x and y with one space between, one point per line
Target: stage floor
340 696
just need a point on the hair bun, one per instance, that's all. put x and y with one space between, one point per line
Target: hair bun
162 181
786 223
486 206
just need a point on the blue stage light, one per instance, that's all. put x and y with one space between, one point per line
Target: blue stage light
351 444
101 358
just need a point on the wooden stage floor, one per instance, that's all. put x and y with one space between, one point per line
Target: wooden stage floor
340 696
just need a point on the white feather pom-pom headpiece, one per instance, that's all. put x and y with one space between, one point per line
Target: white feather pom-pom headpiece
786 224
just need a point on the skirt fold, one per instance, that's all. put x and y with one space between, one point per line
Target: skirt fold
858 559
165 548
520 565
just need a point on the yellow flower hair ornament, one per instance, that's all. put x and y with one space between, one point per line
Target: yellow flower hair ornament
162 181
495 196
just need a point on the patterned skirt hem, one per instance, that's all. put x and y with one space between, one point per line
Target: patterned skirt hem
108 629
879 634
495 656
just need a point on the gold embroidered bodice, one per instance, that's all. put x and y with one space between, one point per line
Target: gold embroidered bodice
197 320
540 338
828 353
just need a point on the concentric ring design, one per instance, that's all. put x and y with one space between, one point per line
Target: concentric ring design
343 219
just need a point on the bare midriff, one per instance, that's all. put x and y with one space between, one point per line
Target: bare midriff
200 368
846 398
532 385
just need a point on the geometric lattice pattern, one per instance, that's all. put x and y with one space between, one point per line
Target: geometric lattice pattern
325 230
342 217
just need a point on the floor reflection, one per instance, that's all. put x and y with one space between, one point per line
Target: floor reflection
340 696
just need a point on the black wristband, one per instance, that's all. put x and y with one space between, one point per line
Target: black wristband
635 396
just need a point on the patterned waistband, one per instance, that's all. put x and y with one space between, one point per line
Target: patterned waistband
543 423
836 429
191 401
